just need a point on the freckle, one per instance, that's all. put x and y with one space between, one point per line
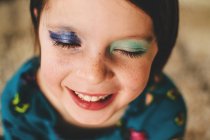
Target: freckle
95 65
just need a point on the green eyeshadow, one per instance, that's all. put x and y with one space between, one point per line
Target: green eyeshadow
130 45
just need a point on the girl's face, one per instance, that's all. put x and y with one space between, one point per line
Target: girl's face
95 58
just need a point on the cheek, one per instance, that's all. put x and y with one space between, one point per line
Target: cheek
53 72
136 78
133 82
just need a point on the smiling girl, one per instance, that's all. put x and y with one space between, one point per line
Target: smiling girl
98 75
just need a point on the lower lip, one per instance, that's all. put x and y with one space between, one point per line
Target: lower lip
91 105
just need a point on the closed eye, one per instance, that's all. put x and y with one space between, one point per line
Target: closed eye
131 54
130 47
65 39
66 45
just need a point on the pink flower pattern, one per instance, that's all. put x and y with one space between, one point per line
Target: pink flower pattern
136 135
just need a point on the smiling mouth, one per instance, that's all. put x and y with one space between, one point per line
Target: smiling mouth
88 98
91 102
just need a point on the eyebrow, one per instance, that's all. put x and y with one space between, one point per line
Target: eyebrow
63 28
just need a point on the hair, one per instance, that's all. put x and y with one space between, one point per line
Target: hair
165 17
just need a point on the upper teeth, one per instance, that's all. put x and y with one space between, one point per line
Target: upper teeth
90 98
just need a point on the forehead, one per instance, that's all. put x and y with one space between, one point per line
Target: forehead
102 15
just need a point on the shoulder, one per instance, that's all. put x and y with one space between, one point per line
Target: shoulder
12 85
13 102
163 115
25 110
169 109
166 95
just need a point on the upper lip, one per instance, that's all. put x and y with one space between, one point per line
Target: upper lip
92 94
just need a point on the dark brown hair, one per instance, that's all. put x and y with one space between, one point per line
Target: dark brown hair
165 17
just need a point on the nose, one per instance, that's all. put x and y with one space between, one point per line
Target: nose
94 70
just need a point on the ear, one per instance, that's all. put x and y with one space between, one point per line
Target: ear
35 12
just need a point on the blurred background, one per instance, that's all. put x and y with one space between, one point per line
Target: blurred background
189 65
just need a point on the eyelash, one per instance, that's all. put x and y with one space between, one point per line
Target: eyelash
66 45
73 45
131 54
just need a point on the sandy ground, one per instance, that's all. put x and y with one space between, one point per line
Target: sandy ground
188 66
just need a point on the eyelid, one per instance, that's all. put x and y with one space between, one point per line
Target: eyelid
130 45
65 37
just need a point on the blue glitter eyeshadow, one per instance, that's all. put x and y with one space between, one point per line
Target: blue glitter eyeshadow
65 37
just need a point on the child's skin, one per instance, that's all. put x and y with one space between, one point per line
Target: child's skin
96 48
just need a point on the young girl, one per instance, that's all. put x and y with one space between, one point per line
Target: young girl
98 75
